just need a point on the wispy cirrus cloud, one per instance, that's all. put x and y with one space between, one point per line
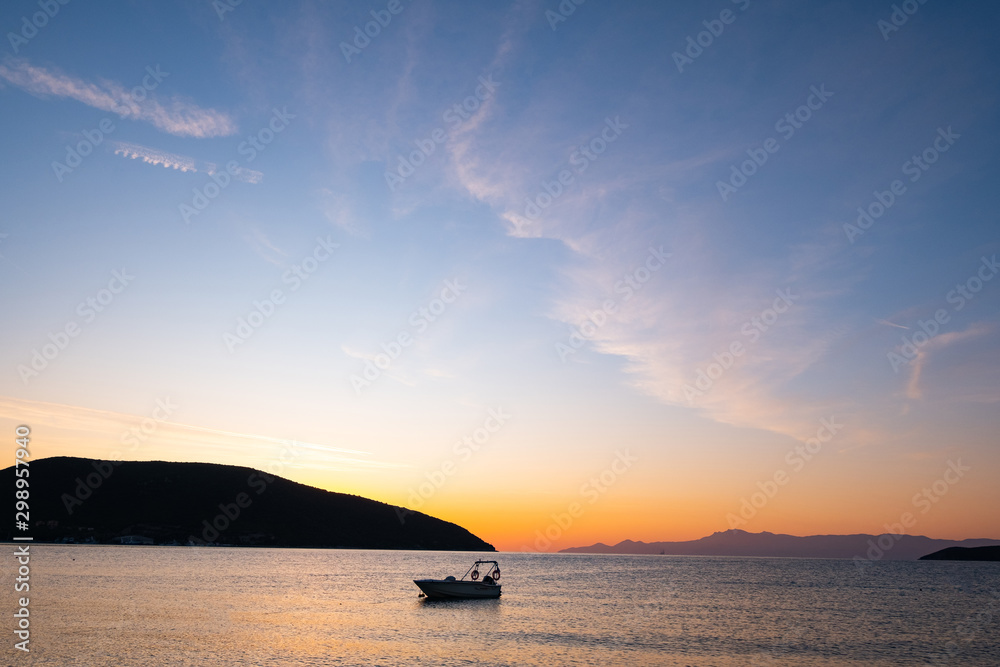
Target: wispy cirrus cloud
675 334
914 388
672 329
266 249
157 157
78 431
173 115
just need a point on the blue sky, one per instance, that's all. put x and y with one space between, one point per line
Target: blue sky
527 281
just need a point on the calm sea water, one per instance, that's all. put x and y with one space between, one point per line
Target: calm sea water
150 606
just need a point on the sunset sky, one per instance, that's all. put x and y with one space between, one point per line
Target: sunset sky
503 260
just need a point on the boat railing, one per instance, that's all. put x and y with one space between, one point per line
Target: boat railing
493 572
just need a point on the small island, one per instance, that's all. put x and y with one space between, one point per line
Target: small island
965 553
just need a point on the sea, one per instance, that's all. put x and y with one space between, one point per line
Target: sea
217 606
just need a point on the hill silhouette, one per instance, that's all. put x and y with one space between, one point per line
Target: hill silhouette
965 553
741 543
83 500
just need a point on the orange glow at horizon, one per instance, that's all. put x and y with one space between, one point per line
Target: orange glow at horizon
543 512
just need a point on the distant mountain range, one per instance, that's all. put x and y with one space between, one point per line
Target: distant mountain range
87 501
742 543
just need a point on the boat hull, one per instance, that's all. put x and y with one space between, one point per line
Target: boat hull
457 590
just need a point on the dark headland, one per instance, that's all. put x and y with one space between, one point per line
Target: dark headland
741 543
87 501
965 553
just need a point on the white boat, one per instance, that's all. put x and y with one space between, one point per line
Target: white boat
471 588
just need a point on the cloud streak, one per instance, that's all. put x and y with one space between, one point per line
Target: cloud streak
172 115
156 157
67 426
914 388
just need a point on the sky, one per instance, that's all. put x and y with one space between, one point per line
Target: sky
560 273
